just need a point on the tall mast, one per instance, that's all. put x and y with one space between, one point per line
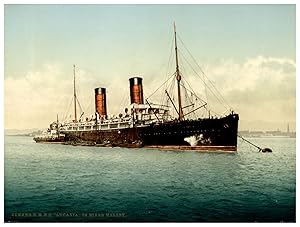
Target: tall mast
75 99
57 125
178 77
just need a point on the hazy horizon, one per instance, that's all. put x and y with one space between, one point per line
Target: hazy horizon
247 51
253 130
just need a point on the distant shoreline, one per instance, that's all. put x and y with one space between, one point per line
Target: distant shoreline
27 135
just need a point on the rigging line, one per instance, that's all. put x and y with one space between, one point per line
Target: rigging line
192 106
200 77
167 72
78 94
187 100
89 108
122 103
204 73
168 65
205 87
154 111
196 73
81 110
206 84
161 86
162 96
187 97
72 98
170 88
172 91
192 91
163 100
166 86
172 102
194 94
224 100
61 101
224 113
193 111
219 115
67 112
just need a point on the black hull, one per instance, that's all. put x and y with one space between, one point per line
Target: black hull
218 132
212 132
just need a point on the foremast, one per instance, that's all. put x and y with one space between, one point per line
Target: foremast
178 78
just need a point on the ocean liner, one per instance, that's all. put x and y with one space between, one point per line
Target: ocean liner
146 124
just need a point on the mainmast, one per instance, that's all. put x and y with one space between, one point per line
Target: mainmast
178 77
75 99
57 125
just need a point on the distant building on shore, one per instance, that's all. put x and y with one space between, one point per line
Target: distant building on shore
271 134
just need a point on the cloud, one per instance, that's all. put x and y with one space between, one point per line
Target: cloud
259 89
30 100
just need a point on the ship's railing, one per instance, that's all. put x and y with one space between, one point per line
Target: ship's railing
100 125
140 120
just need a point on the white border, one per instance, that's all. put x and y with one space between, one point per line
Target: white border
129 2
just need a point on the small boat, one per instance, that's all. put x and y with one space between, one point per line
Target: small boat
52 135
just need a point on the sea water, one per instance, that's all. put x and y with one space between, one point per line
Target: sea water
57 183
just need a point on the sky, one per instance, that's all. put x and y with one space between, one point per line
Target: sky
247 51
